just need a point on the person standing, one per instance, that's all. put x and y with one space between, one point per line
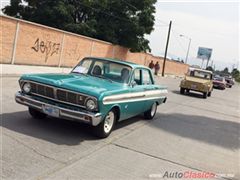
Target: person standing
151 65
157 68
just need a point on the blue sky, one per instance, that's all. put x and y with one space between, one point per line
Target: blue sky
209 24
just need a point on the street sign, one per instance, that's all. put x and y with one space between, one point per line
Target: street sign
204 53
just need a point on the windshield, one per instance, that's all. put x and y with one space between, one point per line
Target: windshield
218 78
104 69
201 74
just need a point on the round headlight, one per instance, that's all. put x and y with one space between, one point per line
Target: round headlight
27 87
90 104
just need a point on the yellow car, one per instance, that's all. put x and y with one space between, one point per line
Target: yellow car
198 80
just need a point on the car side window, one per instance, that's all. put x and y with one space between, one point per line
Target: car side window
97 68
146 77
137 76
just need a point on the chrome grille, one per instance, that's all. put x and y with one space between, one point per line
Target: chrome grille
61 95
42 90
49 92
58 94
72 98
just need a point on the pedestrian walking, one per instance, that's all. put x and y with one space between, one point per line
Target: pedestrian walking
151 65
157 68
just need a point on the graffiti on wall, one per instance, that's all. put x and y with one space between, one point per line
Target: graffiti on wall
48 48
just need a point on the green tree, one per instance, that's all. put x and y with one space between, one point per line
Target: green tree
225 71
210 68
123 22
236 74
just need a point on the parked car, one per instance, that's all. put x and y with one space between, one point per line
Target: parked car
98 91
219 82
229 82
198 80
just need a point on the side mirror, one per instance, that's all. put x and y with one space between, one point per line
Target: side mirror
133 83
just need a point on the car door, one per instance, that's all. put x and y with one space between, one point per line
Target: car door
148 87
136 103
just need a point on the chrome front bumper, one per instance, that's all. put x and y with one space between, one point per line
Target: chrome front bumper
87 117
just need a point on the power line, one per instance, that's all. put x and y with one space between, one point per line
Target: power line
204 31
158 25
197 29
97 10
129 4
180 44
162 22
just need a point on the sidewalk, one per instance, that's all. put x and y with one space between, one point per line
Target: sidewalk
17 70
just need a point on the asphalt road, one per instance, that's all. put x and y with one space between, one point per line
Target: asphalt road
188 134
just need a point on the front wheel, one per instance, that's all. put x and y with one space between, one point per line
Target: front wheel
151 112
105 128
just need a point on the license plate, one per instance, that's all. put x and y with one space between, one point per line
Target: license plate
193 86
51 111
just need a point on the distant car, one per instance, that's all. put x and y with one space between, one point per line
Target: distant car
219 83
98 91
229 82
198 80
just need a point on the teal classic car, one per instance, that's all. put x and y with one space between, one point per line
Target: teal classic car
98 91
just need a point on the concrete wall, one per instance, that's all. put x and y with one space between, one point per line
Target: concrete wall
23 42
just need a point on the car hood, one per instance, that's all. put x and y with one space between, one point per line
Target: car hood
90 85
195 79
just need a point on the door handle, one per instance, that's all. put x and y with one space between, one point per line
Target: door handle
149 89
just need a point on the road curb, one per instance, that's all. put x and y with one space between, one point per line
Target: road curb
10 75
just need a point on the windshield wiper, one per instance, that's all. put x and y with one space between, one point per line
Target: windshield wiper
103 77
80 73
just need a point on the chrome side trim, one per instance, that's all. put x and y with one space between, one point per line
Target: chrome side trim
136 96
64 112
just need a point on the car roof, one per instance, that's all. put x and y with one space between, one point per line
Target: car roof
198 69
127 63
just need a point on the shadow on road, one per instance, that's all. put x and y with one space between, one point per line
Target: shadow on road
212 131
58 131
217 132
191 94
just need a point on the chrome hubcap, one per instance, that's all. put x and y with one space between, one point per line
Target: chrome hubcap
108 122
154 108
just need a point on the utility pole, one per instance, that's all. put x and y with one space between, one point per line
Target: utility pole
207 62
165 55
212 64
188 50
189 44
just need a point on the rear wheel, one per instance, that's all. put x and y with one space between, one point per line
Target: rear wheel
105 128
182 90
205 95
36 114
187 90
151 112
210 93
